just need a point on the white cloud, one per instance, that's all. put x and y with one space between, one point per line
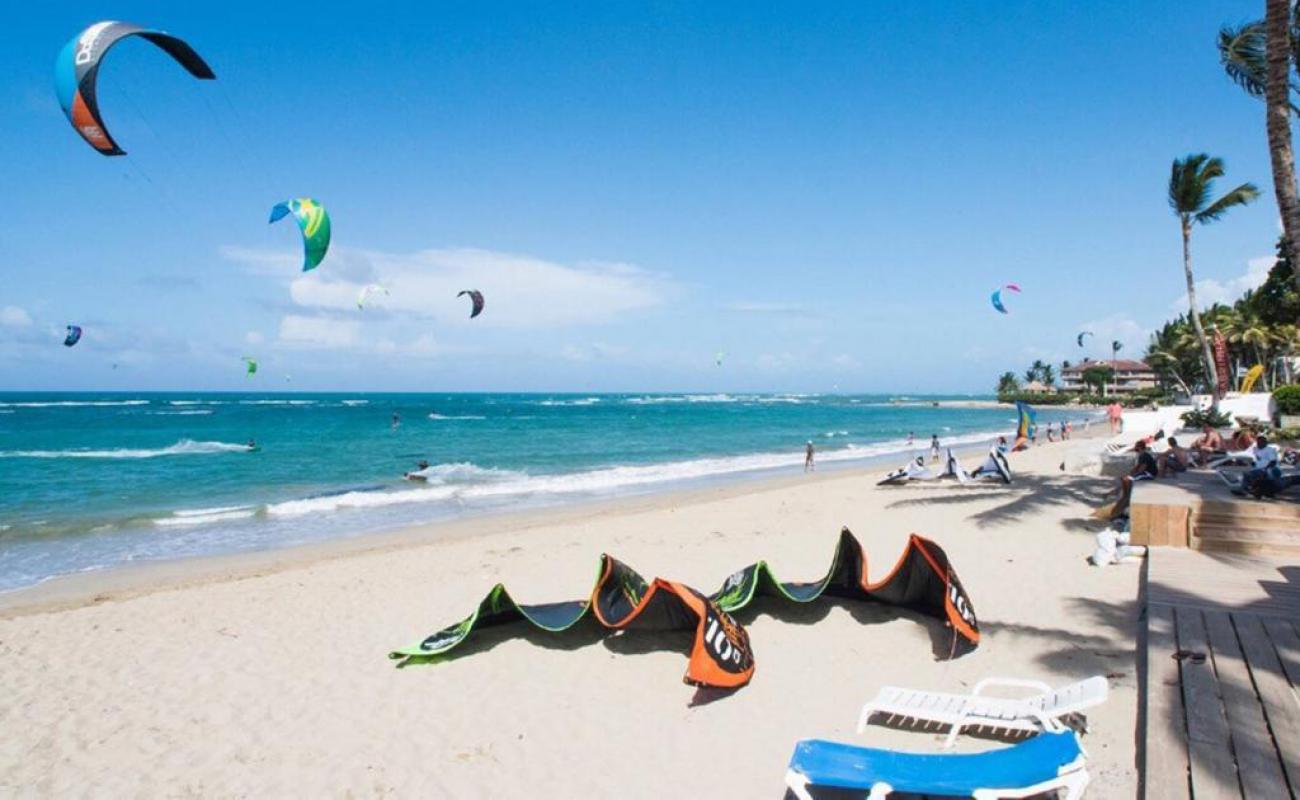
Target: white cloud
14 317
1210 291
318 332
254 337
521 291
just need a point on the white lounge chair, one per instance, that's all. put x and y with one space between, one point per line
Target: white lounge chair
1043 710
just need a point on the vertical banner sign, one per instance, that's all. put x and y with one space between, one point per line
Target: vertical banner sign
1221 362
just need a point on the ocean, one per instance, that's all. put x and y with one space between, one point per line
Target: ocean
89 481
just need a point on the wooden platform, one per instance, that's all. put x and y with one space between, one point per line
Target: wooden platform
1227 725
1198 510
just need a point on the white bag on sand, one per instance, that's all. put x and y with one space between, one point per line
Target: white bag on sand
1114 548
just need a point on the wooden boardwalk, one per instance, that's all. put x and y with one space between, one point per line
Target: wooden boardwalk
1220 716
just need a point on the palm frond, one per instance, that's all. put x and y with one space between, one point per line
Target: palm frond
1188 188
1242 195
1242 54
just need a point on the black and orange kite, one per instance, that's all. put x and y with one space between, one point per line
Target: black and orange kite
720 657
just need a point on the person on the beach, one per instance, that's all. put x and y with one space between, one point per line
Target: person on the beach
1207 445
1115 413
1243 439
1266 467
1174 460
1145 469
934 447
1003 447
1067 428
911 440
808 453
1051 431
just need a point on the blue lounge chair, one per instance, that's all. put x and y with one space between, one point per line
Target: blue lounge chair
1050 760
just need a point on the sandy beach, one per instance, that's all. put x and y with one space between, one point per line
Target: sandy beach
269 676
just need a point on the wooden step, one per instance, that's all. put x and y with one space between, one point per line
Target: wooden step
1248 507
1237 530
1256 517
1245 546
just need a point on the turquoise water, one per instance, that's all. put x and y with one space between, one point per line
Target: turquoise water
93 480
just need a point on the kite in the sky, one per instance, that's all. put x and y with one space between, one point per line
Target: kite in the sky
251 365
367 291
997 296
314 223
1082 334
922 581
718 360
77 69
476 297
74 335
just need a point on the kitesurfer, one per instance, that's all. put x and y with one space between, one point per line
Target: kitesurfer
395 421
252 445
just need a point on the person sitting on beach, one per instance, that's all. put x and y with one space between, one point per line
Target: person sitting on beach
1207 445
1265 469
1175 459
809 450
1242 440
1145 469
1003 447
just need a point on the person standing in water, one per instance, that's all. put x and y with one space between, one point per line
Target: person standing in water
396 421
809 451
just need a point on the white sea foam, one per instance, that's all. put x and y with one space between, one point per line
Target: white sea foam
189 412
277 402
204 516
463 482
580 401
185 447
356 402
75 403
456 416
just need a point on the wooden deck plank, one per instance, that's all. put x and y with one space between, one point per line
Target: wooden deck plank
1287 644
1275 693
1165 766
1213 771
1252 744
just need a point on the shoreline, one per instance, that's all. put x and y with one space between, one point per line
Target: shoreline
362 533
122 581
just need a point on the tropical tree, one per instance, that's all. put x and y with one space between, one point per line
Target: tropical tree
1191 181
1008 383
1048 374
1098 376
1258 57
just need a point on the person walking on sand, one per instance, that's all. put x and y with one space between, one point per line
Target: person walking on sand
1051 431
808 452
934 447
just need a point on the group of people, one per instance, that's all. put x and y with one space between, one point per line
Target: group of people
1265 459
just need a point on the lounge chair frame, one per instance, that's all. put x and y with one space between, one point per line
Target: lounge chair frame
1043 710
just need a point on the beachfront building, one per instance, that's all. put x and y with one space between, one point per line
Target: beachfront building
1130 376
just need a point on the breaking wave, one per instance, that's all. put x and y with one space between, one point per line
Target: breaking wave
185 447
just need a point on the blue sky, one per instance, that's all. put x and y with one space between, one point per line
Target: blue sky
828 192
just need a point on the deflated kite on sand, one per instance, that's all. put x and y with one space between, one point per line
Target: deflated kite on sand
720 656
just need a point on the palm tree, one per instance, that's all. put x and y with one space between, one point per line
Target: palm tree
1008 383
1191 180
1258 57
1049 374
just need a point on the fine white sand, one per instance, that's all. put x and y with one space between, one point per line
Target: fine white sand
268 676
